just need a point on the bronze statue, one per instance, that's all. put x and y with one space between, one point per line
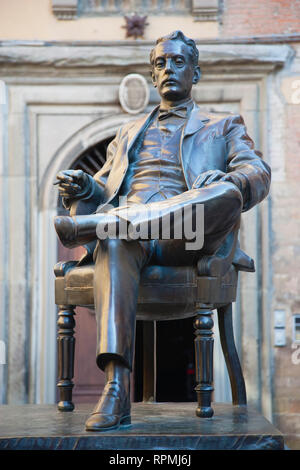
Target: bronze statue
173 158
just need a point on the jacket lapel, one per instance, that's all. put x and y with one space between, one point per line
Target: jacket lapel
138 127
120 166
195 122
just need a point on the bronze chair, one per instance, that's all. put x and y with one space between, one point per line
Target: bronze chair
165 293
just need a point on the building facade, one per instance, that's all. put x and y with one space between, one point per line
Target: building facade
61 65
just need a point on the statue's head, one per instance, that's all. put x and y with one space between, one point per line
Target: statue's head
174 66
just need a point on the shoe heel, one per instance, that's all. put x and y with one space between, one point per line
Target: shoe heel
125 421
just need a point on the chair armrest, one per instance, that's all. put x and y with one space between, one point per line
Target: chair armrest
212 266
217 265
242 261
229 253
62 267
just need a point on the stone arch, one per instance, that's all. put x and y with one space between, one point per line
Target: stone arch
66 154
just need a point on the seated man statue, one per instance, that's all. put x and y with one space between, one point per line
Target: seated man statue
175 157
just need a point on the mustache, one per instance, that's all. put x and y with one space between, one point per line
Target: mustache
169 79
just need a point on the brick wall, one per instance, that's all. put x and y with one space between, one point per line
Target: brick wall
258 17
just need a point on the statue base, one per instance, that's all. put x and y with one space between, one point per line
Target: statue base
163 426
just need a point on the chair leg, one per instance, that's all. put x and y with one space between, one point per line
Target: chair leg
204 344
149 362
237 382
66 350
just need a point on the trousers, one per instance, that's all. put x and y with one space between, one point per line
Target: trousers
119 263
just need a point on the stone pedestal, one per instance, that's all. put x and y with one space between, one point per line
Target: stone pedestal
167 426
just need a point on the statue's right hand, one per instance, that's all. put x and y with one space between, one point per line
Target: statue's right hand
72 183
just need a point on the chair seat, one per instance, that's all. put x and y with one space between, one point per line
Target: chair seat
165 292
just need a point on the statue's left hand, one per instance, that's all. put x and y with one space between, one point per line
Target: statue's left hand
209 177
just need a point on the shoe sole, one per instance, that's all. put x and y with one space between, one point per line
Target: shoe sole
125 421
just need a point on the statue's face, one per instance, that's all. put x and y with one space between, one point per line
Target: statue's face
173 70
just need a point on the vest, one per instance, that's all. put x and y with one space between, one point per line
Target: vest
155 172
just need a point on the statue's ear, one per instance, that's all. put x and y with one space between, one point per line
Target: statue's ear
197 75
153 79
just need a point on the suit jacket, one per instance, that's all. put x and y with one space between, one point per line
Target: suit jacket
209 142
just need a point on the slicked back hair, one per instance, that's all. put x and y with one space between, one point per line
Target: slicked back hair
178 35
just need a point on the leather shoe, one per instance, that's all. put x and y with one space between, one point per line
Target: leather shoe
112 410
66 230
82 229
